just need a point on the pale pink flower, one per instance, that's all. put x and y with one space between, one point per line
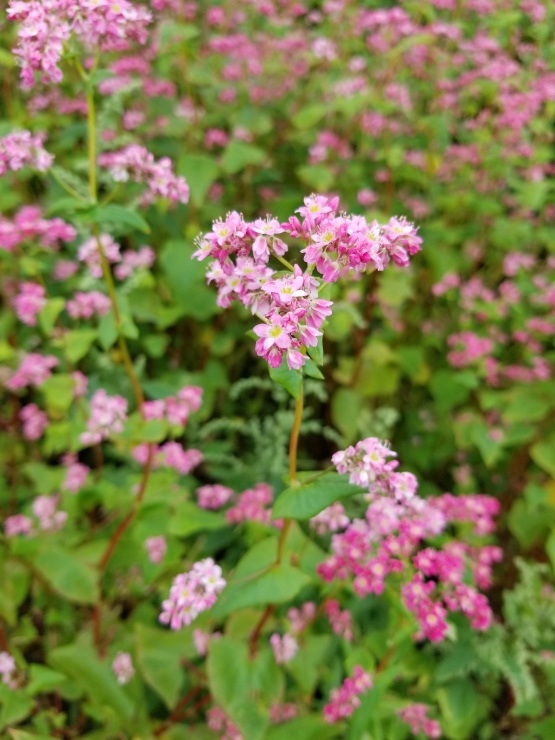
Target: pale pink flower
122 665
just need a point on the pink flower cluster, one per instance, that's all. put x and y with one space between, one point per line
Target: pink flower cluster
344 700
192 593
340 620
34 421
29 224
291 310
394 526
89 253
284 647
7 669
331 519
107 416
175 409
29 302
137 164
300 619
416 717
156 548
33 370
368 466
122 665
17 524
218 721
87 305
169 455
142 259
23 149
339 245
45 508
47 25
76 474
213 496
293 316
253 505
446 569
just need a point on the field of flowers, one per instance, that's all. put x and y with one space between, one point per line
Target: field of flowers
277 401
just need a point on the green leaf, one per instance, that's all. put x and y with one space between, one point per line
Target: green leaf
308 499
159 656
550 548
49 314
120 216
291 380
274 584
462 708
309 116
15 579
187 281
311 369
189 518
200 171
239 155
317 353
107 331
77 343
58 391
80 663
542 454
309 727
43 680
305 666
15 706
230 675
316 176
67 576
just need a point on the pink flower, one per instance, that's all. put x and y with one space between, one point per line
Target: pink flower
251 505
7 668
122 666
331 519
192 593
34 421
107 417
156 548
17 524
33 370
285 647
29 302
76 474
213 496
87 305
137 164
23 149
344 700
45 509
415 716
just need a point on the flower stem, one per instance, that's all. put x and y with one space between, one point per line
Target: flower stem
91 122
293 477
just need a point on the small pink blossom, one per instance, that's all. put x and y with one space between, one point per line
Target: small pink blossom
284 647
156 548
122 666
34 421
213 496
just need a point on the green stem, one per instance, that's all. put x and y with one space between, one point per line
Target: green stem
91 120
294 438
293 476
283 261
